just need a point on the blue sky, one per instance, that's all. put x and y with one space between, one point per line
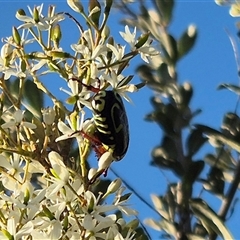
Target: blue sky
210 63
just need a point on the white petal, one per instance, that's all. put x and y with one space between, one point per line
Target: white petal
18 115
59 167
64 128
29 125
8 124
105 160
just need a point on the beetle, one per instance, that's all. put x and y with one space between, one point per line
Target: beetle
111 122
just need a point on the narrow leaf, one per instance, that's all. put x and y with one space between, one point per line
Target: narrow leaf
208 217
231 87
33 95
216 135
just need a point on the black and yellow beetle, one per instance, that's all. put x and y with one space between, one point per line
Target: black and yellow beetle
111 122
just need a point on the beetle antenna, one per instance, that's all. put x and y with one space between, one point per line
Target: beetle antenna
91 88
75 20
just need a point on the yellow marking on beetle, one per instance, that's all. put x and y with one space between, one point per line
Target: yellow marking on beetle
99 101
120 127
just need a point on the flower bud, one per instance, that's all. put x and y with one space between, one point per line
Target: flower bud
7 234
111 41
21 12
75 5
23 65
48 213
65 223
21 15
26 196
91 205
35 15
16 36
91 173
48 115
6 53
56 34
59 54
105 32
105 161
114 186
94 11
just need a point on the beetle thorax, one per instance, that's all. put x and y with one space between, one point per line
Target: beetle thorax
98 103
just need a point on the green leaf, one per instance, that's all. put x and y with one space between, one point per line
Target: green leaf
231 87
187 41
39 132
167 226
215 181
163 73
195 141
165 8
169 48
216 135
161 206
193 171
194 237
14 86
161 160
146 74
231 126
223 161
165 115
186 92
33 95
209 218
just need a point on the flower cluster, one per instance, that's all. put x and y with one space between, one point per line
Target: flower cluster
61 209
47 192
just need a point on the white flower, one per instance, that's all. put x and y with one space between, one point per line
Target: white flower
24 39
89 52
60 174
75 131
44 228
14 230
30 22
129 37
94 228
42 23
13 167
113 233
16 119
114 81
146 51
6 51
11 69
81 98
